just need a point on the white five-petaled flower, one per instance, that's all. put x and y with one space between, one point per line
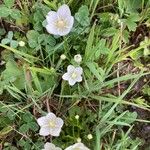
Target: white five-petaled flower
73 74
50 125
50 146
77 146
78 58
60 22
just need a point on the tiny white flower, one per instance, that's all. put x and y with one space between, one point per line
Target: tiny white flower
50 125
89 136
77 117
63 56
21 43
77 146
50 146
73 74
78 58
60 22
78 139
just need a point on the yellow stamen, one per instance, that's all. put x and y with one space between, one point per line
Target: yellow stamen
52 124
61 24
74 75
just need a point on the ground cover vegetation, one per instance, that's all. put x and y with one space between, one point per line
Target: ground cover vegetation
74 74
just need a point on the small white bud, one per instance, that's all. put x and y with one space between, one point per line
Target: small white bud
89 136
77 117
63 56
78 58
78 139
21 43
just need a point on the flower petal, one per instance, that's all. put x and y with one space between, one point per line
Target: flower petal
48 146
65 76
55 131
69 25
51 29
51 116
77 146
79 70
51 17
70 68
79 78
71 81
42 121
63 11
59 122
44 131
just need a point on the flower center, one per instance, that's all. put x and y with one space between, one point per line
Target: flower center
74 75
61 24
52 124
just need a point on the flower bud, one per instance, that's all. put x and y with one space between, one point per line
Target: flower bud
78 58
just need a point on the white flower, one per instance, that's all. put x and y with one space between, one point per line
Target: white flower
89 136
60 22
73 74
77 117
63 56
78 58
21 43
50 125
77 146
50 146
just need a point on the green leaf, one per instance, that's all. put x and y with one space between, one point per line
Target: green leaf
9 3
94 69
32 36
32 43
89 45
14 74
10 35
27 117
45 39
24 128
82 16
4 11
14 44
33 126
131 21
5 131
5 41
15 14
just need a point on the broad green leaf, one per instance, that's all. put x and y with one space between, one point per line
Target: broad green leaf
15 14
82 16
9 3
131 21
14 44
32 36
10 35
14 74
24 128
5 41
4 11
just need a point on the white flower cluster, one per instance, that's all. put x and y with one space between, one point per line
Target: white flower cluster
60 23
51 125
74 74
